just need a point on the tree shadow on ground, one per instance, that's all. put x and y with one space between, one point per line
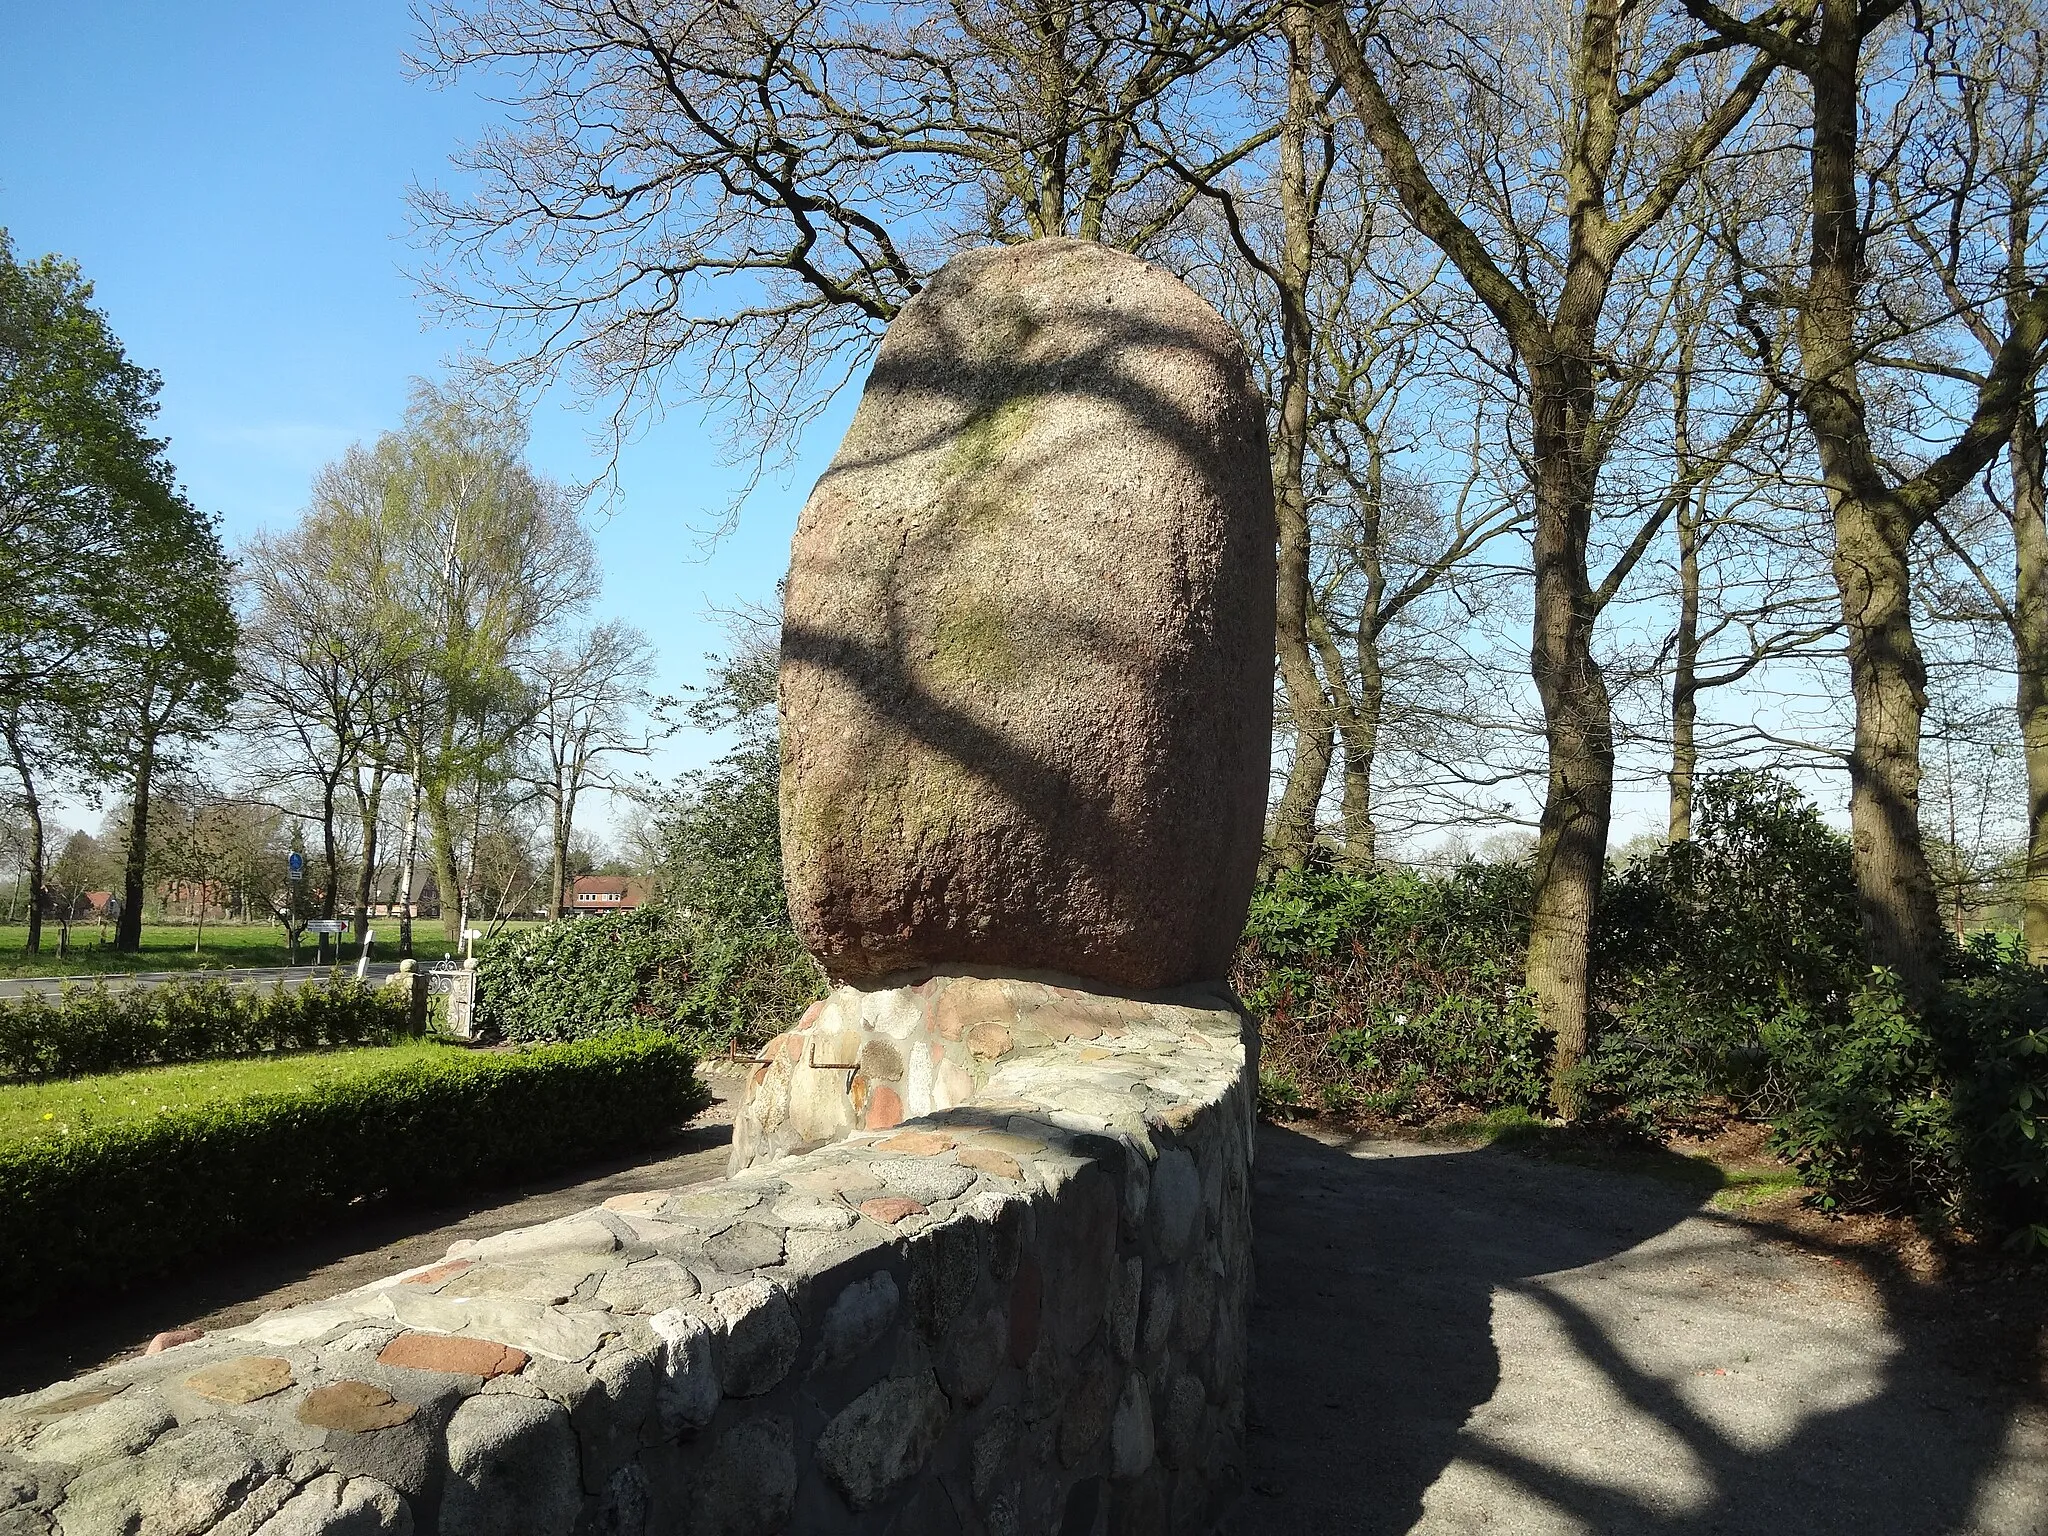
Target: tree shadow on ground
84 1332
1374 1342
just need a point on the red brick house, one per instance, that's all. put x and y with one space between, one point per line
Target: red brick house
603 893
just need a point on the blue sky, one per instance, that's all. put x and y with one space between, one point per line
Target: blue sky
232 178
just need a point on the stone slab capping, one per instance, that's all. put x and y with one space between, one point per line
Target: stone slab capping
982 1265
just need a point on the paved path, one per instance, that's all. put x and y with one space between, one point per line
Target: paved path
1455 1341
252 976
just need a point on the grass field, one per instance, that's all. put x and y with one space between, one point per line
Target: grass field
224 945
29 1112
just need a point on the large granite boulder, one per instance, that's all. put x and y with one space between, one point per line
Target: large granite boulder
1026 654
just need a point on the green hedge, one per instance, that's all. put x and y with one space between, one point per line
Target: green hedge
1394 992
714 980
130 1202
92 1029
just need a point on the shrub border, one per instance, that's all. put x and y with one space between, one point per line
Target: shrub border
102 1210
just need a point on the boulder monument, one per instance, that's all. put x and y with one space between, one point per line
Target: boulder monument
1026 655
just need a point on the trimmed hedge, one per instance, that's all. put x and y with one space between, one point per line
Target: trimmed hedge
716 979
87 1030
104 1209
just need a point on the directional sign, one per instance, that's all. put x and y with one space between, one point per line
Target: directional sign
472 933
326 925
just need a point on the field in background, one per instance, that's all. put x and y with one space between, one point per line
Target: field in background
224 945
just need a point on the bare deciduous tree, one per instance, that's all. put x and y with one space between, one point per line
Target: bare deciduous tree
1561 180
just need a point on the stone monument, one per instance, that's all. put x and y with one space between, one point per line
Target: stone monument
1027 640
983 1262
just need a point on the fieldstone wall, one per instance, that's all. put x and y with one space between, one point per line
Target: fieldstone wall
993 1283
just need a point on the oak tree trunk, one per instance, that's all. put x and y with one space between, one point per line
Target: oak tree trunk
1361 745
1685 676
1873 530
1578 725
1308 709
2030 646
128 929
1888 683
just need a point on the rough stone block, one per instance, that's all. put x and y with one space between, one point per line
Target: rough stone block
1027 636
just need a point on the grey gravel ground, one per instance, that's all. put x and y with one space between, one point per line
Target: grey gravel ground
1459 1340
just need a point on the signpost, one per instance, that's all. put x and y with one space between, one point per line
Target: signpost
295 873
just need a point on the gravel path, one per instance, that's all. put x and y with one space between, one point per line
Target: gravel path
1474 1341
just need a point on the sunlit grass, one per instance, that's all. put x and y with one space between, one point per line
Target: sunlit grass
34 1110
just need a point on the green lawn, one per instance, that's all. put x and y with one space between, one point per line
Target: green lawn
225 945
31 1111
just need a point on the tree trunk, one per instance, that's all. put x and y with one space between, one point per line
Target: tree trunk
409 848
1361 745
1308 710
128 930
1888 682
1360 702
1873 531
1685 675
2030 646
369 807
1578 726
38 849
564 825
441 835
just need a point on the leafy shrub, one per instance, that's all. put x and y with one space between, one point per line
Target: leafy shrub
103 1029
1712 954
1395 991
655 967
583 976
1728 978
139 1199
1943 1110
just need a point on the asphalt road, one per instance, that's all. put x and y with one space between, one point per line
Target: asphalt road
254 976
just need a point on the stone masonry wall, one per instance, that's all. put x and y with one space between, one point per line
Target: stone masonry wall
1021 1310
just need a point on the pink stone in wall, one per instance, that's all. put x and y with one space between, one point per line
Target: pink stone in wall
452 1355
990 1042
884 1108
890 1209
952 1088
